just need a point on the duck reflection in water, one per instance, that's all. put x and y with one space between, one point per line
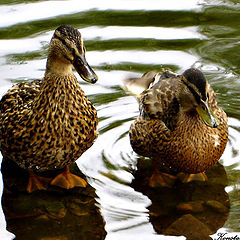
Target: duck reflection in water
55 213
195 210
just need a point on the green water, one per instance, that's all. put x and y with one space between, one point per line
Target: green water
125 38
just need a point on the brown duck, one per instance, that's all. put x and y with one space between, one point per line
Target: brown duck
47 124
180 126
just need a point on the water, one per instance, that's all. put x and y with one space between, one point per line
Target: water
124 39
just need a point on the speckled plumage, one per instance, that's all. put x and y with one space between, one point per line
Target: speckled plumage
47 124
170 134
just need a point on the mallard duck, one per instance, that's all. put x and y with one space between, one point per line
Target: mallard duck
47 124
180 125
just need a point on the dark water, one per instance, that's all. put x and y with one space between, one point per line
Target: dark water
124 39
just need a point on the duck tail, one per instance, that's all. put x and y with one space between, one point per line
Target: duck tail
137 85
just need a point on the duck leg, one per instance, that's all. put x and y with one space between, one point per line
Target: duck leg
189 177
161 179
36 182
68 180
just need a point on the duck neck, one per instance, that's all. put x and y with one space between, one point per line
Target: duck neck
59 78
57 63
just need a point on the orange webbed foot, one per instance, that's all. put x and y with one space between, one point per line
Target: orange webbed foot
189 177
161 179
37 182
68 180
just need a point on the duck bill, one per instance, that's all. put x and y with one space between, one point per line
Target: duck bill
207 115
84 70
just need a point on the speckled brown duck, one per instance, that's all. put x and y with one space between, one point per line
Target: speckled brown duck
47 124
180 125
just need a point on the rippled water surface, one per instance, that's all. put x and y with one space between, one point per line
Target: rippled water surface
125 38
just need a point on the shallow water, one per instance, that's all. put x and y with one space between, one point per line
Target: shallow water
125 39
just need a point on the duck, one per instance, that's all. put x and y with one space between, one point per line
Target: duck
47 124
180 126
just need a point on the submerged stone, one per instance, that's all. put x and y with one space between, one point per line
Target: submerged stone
190 227
216 206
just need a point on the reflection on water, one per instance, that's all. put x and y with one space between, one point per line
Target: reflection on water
195 210
122 41
15 14
51 214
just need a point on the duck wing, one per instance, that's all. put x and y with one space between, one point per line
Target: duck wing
20 96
